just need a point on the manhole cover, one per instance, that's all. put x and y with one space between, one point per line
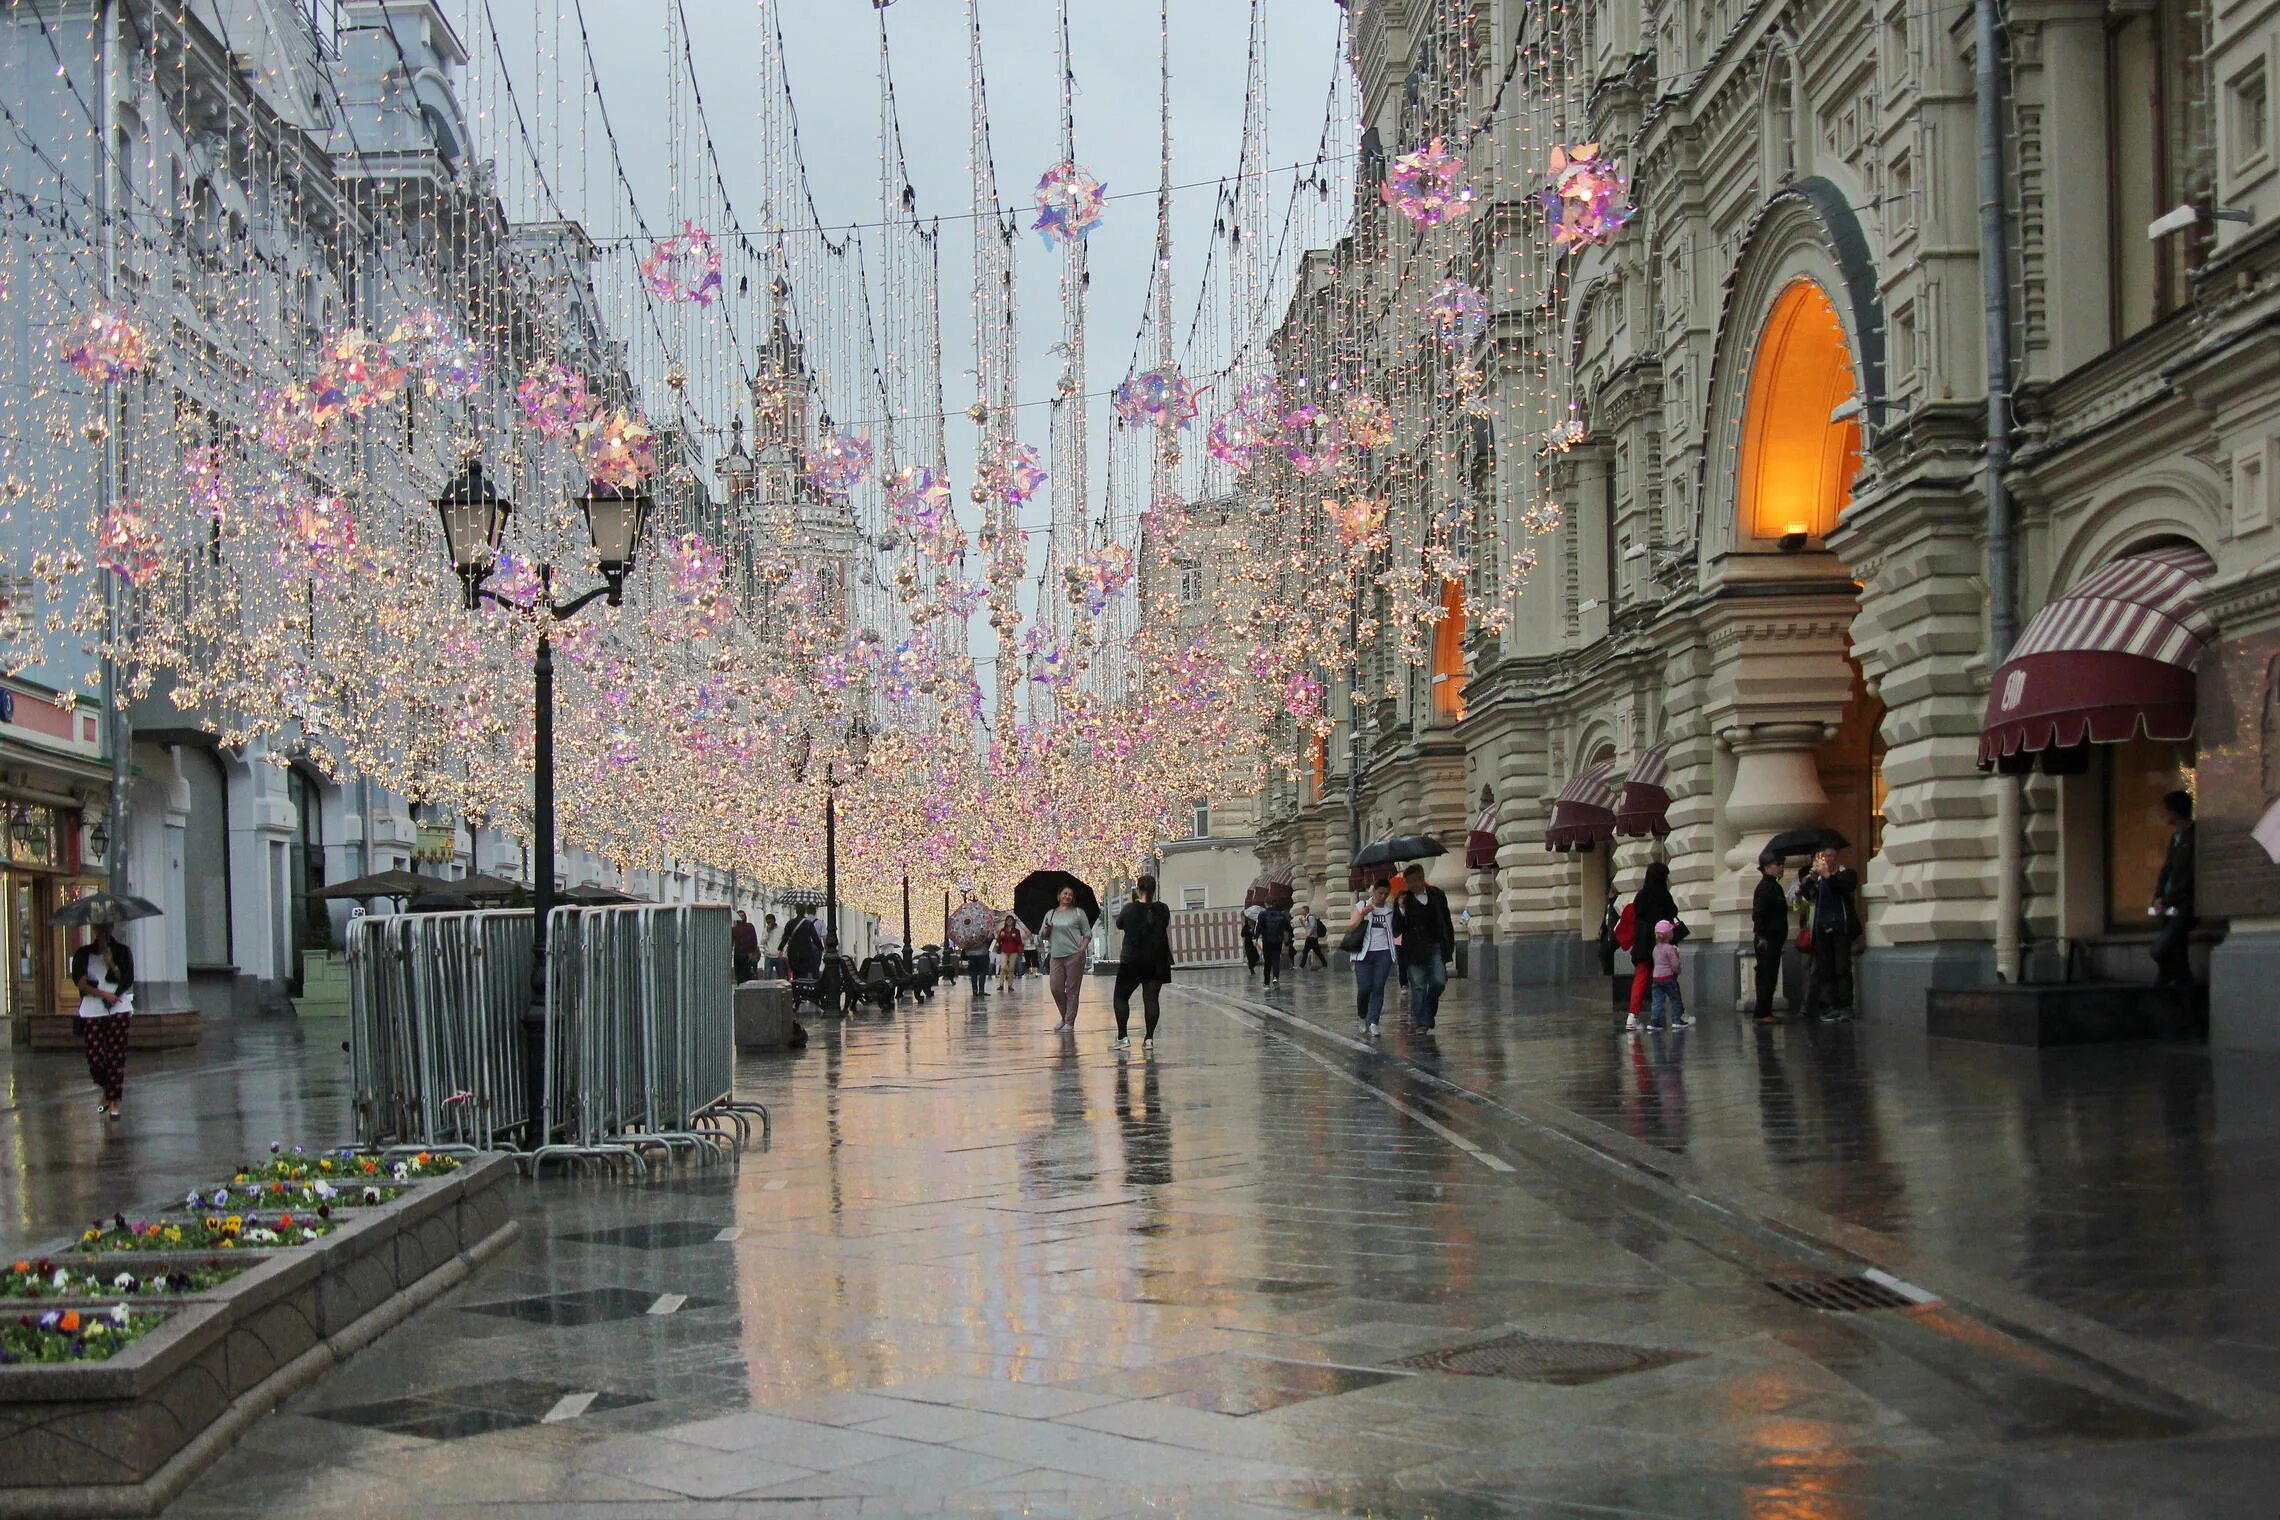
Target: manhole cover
1544 1359
1839 1295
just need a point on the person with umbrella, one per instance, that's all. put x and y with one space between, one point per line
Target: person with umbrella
1425 942
803 944
103 970
1067 932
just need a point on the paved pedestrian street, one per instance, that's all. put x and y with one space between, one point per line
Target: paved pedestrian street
1523 1268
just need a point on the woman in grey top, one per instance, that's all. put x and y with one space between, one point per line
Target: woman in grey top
1067 933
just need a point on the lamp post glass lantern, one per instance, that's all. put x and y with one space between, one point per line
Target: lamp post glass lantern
474 519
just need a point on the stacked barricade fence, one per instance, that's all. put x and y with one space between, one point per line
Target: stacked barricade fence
639 1047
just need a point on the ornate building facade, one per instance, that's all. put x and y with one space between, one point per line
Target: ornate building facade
1754 488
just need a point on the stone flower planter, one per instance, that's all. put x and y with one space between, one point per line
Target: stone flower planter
124 1435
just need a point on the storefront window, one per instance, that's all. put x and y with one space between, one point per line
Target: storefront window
2139 774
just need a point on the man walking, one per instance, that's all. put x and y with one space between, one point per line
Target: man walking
1274 940
803 945
1306 933
771 941
744 947
2173 899
1769 934
1424 942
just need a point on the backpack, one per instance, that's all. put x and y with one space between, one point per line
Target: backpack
1626 927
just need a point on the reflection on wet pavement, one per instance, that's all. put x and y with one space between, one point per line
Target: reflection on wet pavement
989 1269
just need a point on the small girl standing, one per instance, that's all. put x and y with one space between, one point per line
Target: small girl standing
1669 1008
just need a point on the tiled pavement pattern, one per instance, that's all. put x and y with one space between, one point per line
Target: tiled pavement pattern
985 1269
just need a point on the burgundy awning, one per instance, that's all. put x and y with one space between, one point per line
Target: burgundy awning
1584 811
1480 844
1645 805
2112 658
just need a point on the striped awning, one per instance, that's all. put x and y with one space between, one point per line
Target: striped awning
1584 811
1645 804
1480 843
2112 658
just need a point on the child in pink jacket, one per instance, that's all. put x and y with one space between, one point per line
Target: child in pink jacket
1668 1011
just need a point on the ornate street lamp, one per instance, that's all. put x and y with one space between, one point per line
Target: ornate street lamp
99 838
858 758
474 520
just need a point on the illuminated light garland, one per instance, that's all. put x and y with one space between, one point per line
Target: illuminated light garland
1070 204
126 544
617 448
554 400
317 534
1458 312
919 503
1162 398
1428 186
1366 420
104 346
1360 520
1014 474
517 581
358 373
684 267
448 362
206 483
1589 198
1562 437
295 419
1313 441
838 464
1099 577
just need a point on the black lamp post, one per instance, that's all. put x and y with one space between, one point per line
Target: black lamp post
474 521
858 756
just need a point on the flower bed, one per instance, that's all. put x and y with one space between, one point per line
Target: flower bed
315 1197
44 1278
208 1232
336 1166
73 1335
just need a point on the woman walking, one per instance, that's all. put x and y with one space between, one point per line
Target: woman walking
1372 953
1145 962
1008 951
1649 907
1067 933
104 972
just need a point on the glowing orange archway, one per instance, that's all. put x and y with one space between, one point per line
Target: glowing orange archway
1797 466
1449 653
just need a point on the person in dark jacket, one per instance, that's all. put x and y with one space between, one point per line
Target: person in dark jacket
1769 935
1424 943
803 945
744 947
1274 941
1832 891
1144 962
1650 905
2173 898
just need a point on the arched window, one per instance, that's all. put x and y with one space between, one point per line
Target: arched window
1449 653
1797 465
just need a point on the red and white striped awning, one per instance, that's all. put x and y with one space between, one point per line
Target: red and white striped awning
1584 811
2112 658
1480 844
1645 805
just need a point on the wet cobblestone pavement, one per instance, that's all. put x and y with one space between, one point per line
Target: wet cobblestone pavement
1519 1268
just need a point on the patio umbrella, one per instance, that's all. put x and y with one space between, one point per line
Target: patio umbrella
1802 842
1401 847
482 887
102 908
594 897
379 884
439 898
974 924
1039 891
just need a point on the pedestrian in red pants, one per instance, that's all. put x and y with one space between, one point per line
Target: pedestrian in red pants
1650 905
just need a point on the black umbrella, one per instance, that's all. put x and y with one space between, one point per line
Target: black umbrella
594 897
483 887
1802 842
379 884
1040 892
439 898
102 908
1402 847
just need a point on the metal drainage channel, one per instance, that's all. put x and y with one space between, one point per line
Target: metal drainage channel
1841 1295
1543 1359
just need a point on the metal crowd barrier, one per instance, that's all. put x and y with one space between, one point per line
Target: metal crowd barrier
435 1005
642 1035
640 1041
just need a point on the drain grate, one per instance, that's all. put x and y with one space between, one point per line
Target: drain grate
1544 1359
1840 1295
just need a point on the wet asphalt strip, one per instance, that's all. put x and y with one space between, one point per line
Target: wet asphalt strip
1970 1359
